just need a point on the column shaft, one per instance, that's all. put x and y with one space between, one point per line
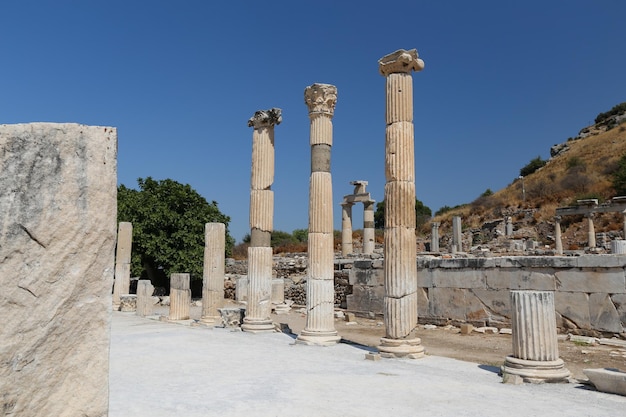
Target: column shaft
257 317
346 229
122 261
213 271
180 297
369 242
145 289
434 237
591 235
558 242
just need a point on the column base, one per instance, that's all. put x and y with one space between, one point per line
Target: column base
210 320
314 338
401 348
257 326
536 372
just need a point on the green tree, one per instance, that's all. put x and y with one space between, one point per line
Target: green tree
619 177
423 213
532 166
301 235
168 227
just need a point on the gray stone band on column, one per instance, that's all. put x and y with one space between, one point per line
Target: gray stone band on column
320 158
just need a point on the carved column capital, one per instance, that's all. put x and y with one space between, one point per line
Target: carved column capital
321 98
401 61
265 118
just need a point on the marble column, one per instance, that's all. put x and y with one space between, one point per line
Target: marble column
535 347
346 229
591 232
320 292
457 243
259 307
145 305
400 301
624 223
369 242
558 242
122 262
213 272
434 237
180 297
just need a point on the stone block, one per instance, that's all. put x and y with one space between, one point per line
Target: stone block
520 279
464 278
278 291
128 303
241 288
424 277
574 307
590 280
466 328
367 277
601 261
603 314
350 317
619 300
58 205
422 302
365 299
448 303
607 380
498 301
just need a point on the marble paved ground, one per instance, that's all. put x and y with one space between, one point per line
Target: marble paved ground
161 369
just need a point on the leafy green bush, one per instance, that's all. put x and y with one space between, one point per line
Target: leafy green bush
618 109
532 166
619 177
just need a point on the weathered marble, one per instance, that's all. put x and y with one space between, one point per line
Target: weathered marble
213 271
400 303
180 297
320 329
57 245
145 303
122 262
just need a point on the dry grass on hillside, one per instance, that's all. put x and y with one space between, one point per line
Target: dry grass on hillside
583 171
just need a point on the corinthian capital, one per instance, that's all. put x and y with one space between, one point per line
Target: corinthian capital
263 118
400 61
321 98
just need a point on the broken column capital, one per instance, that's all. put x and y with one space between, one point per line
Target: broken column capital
400 61
265 118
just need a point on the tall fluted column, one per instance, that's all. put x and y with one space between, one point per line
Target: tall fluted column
180 297
558 242
591 232
261 222
320 294
457 244
400 300
213 272
535 347
434 237
122 262
368 227
346 229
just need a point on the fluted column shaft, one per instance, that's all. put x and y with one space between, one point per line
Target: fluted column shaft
457 245
213 271
434 237
346 229
122 262
261 222
400 300
535 355
558 242
180 297
369 242
320 297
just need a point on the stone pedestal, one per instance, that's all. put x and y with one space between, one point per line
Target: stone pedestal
400 302
434 237
369 242
535 347
122 262
261 221
346 229
213 271
618 247
320 297
180 297
145 304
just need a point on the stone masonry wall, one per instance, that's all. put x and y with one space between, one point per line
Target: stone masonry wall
590 291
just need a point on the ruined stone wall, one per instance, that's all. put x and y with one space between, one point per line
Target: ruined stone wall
590 291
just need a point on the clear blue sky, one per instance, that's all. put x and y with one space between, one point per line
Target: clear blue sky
503 82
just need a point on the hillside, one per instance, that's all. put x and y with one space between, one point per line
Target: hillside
580 168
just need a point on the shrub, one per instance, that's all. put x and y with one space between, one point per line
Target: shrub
619 176
532 166
618 109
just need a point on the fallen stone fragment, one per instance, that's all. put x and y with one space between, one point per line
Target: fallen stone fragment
429 327
466 328
583 339
608 380
370 356
506 331
350 317
612 342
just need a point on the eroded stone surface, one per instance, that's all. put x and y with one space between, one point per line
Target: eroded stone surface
58 211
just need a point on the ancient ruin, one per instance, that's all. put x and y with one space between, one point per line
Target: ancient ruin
213 271
58 205
535 348
122 262
180 297
399 250
257 317
358 196
145 303
320 328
